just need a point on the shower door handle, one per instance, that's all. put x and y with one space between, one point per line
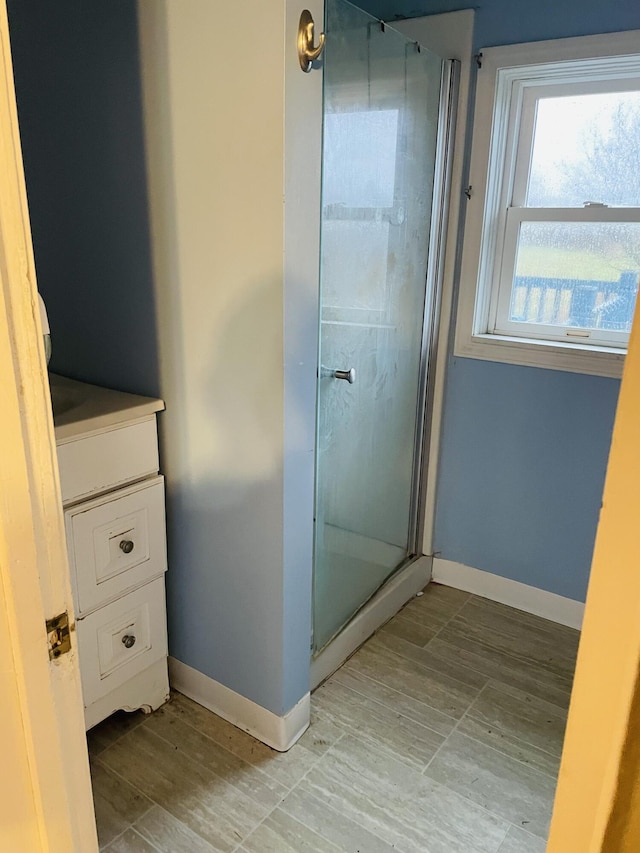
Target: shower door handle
348 375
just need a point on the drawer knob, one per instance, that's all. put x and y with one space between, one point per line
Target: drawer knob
127 546
128 640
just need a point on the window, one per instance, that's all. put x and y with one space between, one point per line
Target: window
551 257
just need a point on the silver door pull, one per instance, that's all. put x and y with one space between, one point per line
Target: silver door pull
349 375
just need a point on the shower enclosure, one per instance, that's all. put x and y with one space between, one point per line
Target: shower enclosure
382 210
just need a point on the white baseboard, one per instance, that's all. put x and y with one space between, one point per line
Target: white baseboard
384 604
277 732
550 606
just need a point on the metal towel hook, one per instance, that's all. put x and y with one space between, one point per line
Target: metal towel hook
307 52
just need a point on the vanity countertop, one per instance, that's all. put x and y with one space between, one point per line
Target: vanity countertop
79 408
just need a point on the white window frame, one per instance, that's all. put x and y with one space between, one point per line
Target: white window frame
509 80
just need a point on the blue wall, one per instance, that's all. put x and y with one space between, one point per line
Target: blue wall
523 463
77 76
524 450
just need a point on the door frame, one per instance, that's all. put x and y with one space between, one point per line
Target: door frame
46 779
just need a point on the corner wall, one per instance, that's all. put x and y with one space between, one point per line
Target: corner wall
233 145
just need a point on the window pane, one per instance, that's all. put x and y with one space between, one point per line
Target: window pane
586 148
576 274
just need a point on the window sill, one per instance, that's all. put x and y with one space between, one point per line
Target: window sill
570 357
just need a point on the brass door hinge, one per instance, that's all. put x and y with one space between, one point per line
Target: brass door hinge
58 635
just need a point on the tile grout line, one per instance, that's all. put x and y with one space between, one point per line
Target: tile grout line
508 636
521 659
353 818
527 831
453 616
467 715
457 793
131 825
394 710
173 817
407 696
514 660
248 763
131 785
114 839
217 775
254 767
521 740
453 730
356 821
315 763
528 619
493 749
565 657
510 689
504 754
426 666
121 735
482 808
289 791
441 628
146 840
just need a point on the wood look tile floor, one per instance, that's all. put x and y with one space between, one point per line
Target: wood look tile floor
442 734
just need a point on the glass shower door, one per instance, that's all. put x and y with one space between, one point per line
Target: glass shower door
381 106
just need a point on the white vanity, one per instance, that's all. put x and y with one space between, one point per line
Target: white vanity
113 499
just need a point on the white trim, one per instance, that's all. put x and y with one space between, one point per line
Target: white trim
277 732
570 358
450 35
384 604
502 67
550 606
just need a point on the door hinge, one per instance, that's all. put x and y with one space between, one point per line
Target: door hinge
58 635
478 59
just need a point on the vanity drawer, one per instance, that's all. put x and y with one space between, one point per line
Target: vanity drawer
116 543
97 463
121 639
